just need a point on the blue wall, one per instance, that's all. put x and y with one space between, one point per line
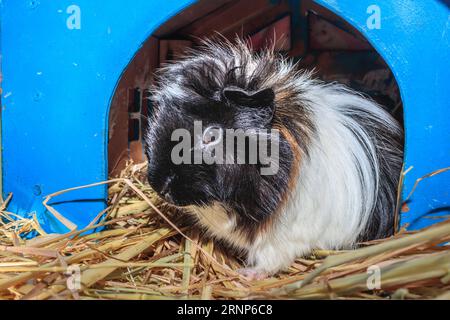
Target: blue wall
58 84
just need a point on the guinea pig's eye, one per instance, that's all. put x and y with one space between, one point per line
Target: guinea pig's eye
212 135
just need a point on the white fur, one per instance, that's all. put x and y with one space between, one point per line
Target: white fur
331 204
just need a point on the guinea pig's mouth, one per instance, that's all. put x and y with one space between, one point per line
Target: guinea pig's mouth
172 201
168 199
178 196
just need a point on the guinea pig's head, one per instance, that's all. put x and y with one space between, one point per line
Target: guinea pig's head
201 105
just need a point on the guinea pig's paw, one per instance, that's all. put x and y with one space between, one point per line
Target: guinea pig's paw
252 274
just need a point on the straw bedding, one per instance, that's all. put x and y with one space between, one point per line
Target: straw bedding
146 250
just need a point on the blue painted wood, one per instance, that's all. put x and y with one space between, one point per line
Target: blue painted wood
58 84
414 39
57 87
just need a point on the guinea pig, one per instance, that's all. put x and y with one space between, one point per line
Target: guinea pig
338 162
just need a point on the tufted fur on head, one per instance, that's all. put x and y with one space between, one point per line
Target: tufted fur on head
339 161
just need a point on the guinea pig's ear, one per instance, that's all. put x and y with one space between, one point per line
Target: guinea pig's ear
262 98
262 101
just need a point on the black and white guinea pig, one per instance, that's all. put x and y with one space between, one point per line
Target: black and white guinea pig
340 155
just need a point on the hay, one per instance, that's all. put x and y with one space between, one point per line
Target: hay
147 251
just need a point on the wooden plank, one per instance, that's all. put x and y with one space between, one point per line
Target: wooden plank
277 34
226 18
188 16
139 74
171 49
252 25
325 35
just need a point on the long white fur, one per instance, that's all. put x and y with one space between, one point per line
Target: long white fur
331 203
